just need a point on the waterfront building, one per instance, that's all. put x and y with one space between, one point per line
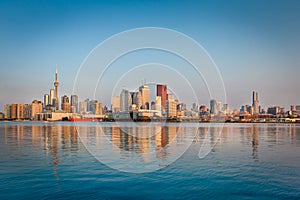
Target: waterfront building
74 103
115 106
226 108
213 107
36 107
46 100
64 99
169 96
145 92
250 109
219 106
136 98
161 91
14 111
99 109
7 111
255 102
66 106
158 103
27 111
20 111
293 108
274 110
282 110
125 100
171 108
243 109
153 107
83 107
52 97
95 107
195 107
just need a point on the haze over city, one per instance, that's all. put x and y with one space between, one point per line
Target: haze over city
255 44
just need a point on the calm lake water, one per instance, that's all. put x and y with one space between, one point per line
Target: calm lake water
122 161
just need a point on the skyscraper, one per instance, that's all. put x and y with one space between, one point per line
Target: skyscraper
46 100
213 107
115 107
56 89
145 92
52 97
161 90
125 100
83 107
158 103
65 104
74 103
255 102
171 108
137 99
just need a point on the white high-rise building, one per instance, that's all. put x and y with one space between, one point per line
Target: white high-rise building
145 92
125 100
158 103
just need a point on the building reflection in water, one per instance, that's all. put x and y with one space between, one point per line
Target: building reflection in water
58 140
254 131
52 139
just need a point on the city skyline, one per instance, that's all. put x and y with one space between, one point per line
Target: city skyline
142 100
251 54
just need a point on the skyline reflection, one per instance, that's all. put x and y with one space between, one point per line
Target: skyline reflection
54 139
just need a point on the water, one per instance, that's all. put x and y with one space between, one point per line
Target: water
248 161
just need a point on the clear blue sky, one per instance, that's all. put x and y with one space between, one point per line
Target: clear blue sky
255 44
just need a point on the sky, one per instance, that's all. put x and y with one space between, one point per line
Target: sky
255 44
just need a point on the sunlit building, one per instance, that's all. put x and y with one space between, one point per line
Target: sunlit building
46 99
161 90
255 102
145 92
115 106
36 107
52 97
171 108
83 107
158 103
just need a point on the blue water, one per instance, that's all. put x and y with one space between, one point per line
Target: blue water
248 161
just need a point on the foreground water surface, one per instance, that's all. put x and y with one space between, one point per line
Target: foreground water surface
121 161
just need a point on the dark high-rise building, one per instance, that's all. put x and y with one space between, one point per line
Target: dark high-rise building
65 99
65 104
74 103
213 107
161 90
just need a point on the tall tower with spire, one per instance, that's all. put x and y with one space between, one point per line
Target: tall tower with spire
56 89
